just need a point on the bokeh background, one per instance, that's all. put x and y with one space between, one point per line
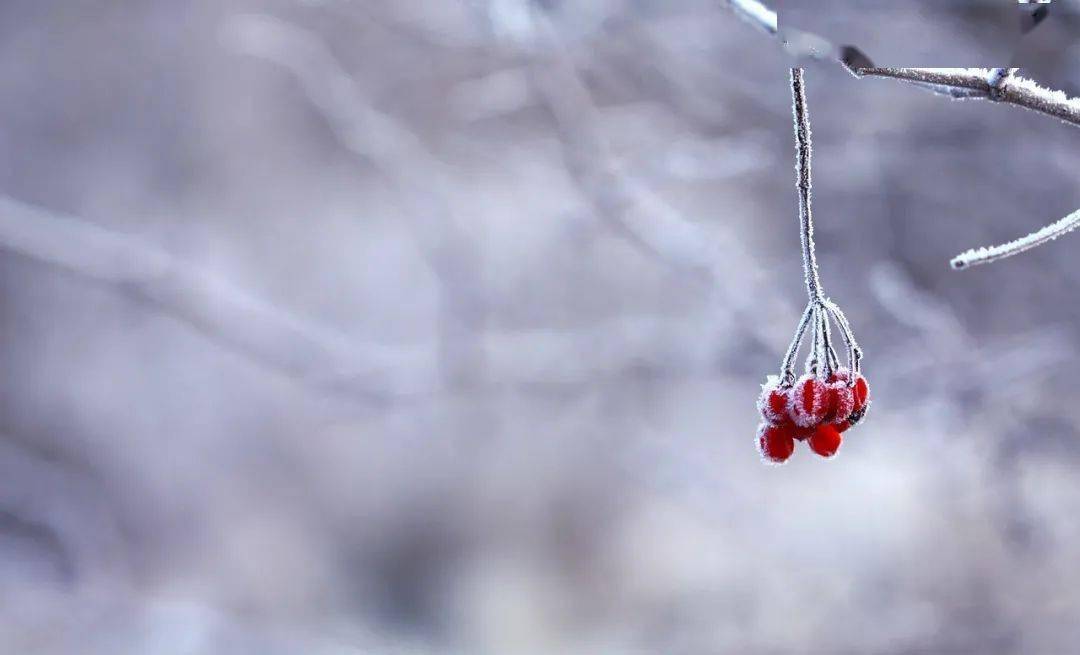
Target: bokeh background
403 326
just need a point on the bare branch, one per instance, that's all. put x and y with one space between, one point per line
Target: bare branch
994 84
997 76
998 85
986 83
978 256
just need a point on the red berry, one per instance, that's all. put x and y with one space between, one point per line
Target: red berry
808 401
775 442
773 401
862 393
843 425
826 440
841 401
841 373
801 433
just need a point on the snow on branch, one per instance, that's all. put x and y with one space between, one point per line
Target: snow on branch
978 256
995 84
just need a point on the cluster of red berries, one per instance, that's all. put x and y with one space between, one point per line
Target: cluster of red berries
814 409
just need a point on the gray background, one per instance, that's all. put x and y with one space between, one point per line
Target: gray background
354 327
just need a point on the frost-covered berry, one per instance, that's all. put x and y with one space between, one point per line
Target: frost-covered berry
808 401
773 401
775 442
862 393
841 398
826 440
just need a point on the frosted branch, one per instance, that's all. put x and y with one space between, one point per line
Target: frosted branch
998 76
995 84
978 256
854 353
803 152
787 366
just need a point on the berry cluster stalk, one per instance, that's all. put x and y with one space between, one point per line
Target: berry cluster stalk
802 165
820 311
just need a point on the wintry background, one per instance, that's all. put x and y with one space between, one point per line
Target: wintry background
435 326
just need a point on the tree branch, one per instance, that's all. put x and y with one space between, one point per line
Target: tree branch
977 256
994 84
989 83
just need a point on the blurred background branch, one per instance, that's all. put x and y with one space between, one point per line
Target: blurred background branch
414 327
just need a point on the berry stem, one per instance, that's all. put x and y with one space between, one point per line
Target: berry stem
832 362
823 356
787 368
854 351
802 163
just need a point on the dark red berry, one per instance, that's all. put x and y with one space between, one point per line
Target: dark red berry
861 392
826 440
808 401
775 442
841 400
773 402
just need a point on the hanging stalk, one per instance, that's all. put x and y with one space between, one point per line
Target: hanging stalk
819 309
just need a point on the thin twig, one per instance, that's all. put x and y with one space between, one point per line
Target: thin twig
998 85
787 366
854 351
994 84
977 256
